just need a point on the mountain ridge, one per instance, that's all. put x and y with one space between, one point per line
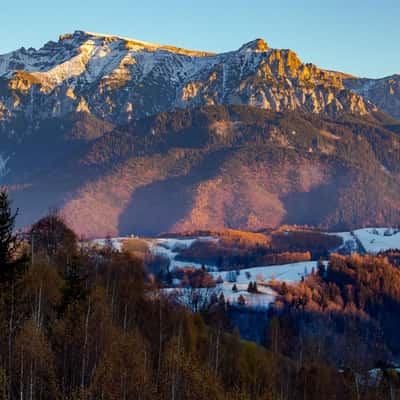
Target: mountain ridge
126 138
118 79
211 167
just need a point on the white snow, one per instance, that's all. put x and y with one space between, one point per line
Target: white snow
291 273
349 241
346 236
375 240
169 247
116 243
262 299
286 272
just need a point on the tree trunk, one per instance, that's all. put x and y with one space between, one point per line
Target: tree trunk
10 337
85 345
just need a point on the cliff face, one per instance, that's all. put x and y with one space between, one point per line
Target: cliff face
118 79
385 92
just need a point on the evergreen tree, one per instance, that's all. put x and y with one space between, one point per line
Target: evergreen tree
11 264
321 268
74 290
284 288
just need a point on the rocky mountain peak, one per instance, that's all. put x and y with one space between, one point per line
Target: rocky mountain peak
118 79
257 46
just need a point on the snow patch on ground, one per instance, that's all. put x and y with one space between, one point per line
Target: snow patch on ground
170 247
287 272
349 244
291 273
262 299
116 243
375 240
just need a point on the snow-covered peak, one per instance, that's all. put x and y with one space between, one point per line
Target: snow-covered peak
74 50
257 46
131 44
119 79
82 36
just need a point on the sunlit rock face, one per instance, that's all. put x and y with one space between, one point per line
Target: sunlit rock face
385 92
118 79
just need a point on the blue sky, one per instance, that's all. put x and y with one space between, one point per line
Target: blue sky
356 36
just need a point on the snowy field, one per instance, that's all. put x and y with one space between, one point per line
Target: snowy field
170 247
290 273
375 240
262 299
287 272
116 243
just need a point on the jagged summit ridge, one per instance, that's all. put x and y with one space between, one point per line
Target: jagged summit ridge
257 45
132 44
119 79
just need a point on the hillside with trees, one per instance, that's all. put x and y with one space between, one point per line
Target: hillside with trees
346 311
213 167
91 323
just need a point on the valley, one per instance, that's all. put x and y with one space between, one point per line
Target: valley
177 255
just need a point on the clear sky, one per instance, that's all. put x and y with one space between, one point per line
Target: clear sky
361 37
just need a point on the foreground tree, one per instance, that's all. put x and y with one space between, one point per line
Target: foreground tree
11 261
51 237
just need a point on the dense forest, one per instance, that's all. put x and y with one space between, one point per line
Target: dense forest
239 249
214 167
86 323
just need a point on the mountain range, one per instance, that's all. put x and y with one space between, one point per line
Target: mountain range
126 136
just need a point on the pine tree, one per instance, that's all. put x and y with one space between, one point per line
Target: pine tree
255 287
321 268
284 288
74 290
10 263
222 298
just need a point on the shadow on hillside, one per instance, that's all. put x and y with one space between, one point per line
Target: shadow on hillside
156 207
313 208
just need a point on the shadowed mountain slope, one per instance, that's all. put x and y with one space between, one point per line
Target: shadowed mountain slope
212 167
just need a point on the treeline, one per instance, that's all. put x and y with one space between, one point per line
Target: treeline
84 323
347 312
237 249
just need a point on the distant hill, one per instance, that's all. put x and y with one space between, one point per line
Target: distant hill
211 167
128 136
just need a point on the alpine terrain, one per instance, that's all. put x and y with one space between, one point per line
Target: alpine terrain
125 136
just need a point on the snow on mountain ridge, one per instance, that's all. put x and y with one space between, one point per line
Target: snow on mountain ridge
118 79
